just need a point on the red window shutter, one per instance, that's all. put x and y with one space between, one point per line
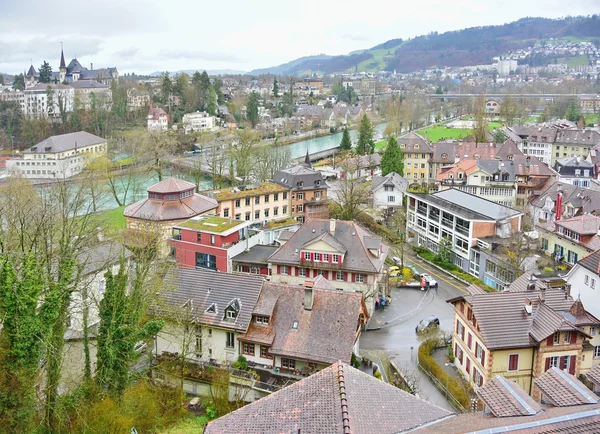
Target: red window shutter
573 338
480 380
326 275
469 340
312 256
476 348
457 327
354 277
279 269
462 334
550 340
547 364
468 366
461 356
456 350
469 314
315 273
330 258
345 277
474 321
572 364
297 271
365 278
482 357
563 362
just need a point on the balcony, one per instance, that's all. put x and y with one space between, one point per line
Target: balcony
453 182
462 230
422 210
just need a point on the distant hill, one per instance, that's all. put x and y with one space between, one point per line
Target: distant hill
472 46
208 71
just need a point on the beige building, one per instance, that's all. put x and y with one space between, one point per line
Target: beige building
417 153
88 92
199 121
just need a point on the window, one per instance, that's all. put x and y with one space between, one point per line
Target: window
285 270
325 257
256 215
266 198
237 203
230 314
284 195
284 209
302 272
204 260
307 256
248 349
247 201
317 257
391 198
566 337
266 212
593 283
275 196
230 343
335 259
288 363
469 340
339 275
513 362
389 187
300 196
238 216
262 320
226 212
557 338
257 200
276 211
592 331
247 216
198 349
300 208
360 278
264 352
587 280
597 352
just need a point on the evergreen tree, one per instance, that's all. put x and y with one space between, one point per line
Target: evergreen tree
211 103
45 72
275 88
393 158
346 143
19 82
1 80
572 114
217 86
252 109
365 144
120 328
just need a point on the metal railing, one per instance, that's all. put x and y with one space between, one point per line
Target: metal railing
442 388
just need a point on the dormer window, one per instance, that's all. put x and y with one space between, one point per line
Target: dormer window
295 325
212 308
230 314
307 256
260 319
232 310
300 184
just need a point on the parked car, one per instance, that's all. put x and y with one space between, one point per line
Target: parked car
394 271
413 269
431 282
427 324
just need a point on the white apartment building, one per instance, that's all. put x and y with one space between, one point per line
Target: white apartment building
58 157
48 100
14 96
199 121
158 119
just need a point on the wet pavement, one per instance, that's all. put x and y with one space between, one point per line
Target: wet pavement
393 329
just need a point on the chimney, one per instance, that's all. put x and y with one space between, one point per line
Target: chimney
309 295
531 283
332 226
91 66
558 206
543 292
528 308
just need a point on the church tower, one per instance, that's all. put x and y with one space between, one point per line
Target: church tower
63 66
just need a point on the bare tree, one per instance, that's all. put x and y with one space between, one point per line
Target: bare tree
153 148
352 194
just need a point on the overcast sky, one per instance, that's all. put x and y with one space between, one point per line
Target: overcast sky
145 36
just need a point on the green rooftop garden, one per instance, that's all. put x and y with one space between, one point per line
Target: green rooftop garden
264 188
279 223
211 224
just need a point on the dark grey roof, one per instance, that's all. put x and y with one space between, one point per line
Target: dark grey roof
66 142
100 257
578 137
492 167
390 179
202 289
88 84
467 206
348 234
414 142
300 173
339 399
256 255
568 166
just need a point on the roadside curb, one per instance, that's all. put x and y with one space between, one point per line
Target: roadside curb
446 272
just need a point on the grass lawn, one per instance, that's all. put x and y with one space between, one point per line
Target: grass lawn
495 124
591 118
189 425
111 220
575 61
379 146
439 132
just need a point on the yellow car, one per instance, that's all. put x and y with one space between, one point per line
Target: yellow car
394 271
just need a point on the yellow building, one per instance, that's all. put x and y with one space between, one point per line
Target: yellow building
417 153
572 239
520 335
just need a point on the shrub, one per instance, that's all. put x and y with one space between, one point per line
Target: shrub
547 270
378 375
461 393
241 363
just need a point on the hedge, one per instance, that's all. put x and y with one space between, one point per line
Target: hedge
462 393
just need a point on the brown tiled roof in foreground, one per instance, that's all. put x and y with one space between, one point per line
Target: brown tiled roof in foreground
594 375
563 389
338 399
505 398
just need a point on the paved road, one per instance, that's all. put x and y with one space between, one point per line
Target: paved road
408 307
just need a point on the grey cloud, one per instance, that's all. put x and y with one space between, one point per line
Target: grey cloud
198 55
39 49
126 52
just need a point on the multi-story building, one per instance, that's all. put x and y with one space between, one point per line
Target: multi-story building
158 119
15 96
257 204
574 143
199 121
563 201
343 252
389 190
520 335
571 239
205 313
137 98
308 190
448 153
575 171
301 329
210 242
48 100
90 93
417 153
492 107
535 141
461 219
589 103
58 157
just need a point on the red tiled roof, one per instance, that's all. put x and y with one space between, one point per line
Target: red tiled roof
505 398
594 375
337 400
563 389
167 210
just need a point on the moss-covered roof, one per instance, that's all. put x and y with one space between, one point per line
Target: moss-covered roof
278 223
264 188
211 224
